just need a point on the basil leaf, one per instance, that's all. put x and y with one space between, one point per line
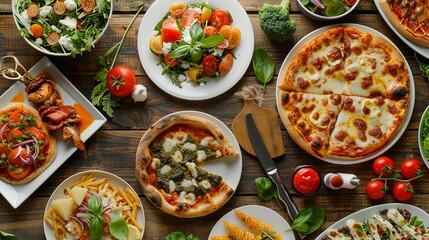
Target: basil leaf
263 66
212 41
96 228
263 187
195 55
95 207
308 220
180 51
196 32
7 236
118 228
176 236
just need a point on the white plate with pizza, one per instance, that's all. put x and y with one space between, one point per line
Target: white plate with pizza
405 35
189 164
232 223
214 86
382 211
17 194
112 191
345 93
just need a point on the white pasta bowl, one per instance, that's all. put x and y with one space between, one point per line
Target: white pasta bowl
315 16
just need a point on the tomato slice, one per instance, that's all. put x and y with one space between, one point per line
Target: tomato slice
60 8
226 64
19 172
16 160
33 10
177 9
189 16
170 62
210 65
87 5
53 38
170 32
210 31
219 18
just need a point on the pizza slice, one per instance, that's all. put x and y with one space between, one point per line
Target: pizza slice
365 125
318 67
168 165
310 119
373 66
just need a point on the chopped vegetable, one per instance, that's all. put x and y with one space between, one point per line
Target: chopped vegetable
60 8
328 8
308 220
263 66
180 236
276 22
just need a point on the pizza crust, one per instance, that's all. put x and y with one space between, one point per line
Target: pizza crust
144 158
52 142
403 30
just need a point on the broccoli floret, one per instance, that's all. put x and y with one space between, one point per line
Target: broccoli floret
275 21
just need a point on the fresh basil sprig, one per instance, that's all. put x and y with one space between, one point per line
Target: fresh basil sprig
180 236
308 220
263 66
266 189
7 236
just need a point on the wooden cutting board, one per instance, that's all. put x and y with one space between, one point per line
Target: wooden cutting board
268 125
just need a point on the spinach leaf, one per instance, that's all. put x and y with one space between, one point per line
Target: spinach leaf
7 236
118 227
333 7
308 220
212 41
263 66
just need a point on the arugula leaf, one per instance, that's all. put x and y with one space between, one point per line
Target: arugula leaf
7 236
308 220
212 41
263 66
118 227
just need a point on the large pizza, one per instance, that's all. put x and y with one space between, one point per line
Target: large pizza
168 164
344 94
26 148
409 17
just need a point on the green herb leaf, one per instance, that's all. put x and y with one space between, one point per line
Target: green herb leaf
196 32
180 51
176 236
7 236
96 228
196 55
95 207
333 7
212 41
263 66
264 186
308 220
158 26
118 227
305 2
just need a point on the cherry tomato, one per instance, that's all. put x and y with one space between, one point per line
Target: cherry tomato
19 172
219 18
33 10
375 189
170 31
16 160
210 31
170 62
36 30
205 14
401 192
87 5
121 81
383 166
188 17
53 38
232 34
60 8
194 73
210 65
410 168
306 180
226 64
177 9
349 3
35 132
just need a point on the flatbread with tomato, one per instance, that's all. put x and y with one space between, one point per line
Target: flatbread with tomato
26 148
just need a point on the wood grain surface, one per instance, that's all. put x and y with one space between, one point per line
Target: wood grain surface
113 147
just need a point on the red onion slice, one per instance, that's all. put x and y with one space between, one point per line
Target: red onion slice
3 128
26 142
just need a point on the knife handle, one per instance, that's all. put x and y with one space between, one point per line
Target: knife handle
283 193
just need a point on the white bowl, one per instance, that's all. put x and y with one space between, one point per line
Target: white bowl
47 51
319 17
421 137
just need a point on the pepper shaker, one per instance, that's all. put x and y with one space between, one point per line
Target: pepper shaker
337 181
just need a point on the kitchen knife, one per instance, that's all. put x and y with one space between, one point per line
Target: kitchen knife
269 166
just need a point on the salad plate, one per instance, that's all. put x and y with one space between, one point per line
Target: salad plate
423 135
214 86
367 213
17 194
262 213
422 50
408 115
115 180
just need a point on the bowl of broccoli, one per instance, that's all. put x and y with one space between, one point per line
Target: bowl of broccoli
326 10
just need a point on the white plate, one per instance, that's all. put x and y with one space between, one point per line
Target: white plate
214 87
59 193
17 194
264 214
422 50
367 213
398 135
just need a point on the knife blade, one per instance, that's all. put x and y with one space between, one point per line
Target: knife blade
269 167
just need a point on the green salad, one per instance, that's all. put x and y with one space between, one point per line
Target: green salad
425 134
69 26
328 8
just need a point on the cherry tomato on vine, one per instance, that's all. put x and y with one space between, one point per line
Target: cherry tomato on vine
410 168
210 65
383 166
402 192
375 189
121 81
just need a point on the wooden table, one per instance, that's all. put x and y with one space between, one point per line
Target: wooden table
113 147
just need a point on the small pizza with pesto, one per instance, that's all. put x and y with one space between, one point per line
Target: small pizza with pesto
168 164
26 147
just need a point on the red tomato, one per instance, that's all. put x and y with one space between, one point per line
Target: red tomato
170 32
210 65
226 64
19 172
210 31
177 9
219 18
349 3
410 168
170 62
121 81
16 160
401 192
188 17
306 180
375 189
383 166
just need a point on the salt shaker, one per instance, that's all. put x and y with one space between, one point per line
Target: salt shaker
337 181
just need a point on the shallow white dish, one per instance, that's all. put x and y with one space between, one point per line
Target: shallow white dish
398 135
215 86
421 137
17 194
422 50
59 193
367 213
264 214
